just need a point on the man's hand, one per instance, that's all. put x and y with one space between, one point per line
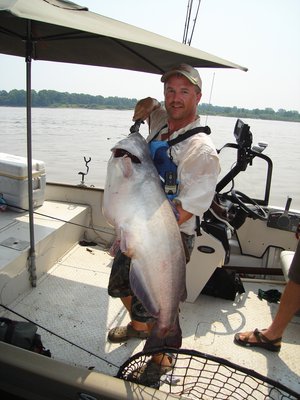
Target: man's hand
181 215
144 108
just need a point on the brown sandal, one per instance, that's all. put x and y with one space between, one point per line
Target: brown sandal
262 341
123 333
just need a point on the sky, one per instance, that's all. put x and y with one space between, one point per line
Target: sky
262 35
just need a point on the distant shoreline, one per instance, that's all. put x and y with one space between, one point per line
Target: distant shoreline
54 99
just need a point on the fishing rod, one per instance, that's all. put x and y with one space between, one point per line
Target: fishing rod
185 39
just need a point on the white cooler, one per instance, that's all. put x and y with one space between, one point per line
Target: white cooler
14 181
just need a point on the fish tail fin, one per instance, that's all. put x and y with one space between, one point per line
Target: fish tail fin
156 340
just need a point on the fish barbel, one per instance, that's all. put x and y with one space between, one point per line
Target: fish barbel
136 206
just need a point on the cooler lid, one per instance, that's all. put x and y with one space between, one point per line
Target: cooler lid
16 167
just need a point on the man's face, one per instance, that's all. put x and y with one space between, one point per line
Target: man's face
181 98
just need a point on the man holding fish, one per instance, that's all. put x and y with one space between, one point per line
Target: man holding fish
155 217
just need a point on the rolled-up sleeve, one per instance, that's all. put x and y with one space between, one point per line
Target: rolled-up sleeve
198 171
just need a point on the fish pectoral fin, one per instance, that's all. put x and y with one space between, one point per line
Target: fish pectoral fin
115 247
125 242
142 290
122 239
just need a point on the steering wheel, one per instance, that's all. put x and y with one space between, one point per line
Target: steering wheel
256 213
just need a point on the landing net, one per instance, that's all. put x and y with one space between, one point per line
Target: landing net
198 375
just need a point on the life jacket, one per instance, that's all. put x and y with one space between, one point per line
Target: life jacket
161 154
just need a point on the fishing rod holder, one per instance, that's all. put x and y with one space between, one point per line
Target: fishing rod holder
83 174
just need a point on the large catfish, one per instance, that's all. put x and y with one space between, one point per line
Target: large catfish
135 204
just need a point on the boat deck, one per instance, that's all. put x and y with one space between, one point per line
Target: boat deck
74 314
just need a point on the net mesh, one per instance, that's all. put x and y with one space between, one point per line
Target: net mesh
198 375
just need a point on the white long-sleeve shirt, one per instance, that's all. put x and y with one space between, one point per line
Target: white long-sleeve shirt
197 163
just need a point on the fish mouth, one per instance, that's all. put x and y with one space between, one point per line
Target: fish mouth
125 153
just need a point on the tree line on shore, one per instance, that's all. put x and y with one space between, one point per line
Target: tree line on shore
52 98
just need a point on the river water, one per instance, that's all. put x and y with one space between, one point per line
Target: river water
63 137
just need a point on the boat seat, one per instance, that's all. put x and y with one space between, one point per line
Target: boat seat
220 231
286 258
208 254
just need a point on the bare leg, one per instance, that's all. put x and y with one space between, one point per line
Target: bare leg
137 325
160 358
142 326
289 305
127 302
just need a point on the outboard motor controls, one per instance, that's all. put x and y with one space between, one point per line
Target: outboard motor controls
286 221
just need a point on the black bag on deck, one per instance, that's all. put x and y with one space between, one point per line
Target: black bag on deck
22 334
224 283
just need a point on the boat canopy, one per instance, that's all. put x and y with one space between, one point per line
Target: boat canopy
63 31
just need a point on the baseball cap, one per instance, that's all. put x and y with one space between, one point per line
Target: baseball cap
186 70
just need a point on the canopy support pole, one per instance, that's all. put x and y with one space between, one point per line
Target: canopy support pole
31 258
